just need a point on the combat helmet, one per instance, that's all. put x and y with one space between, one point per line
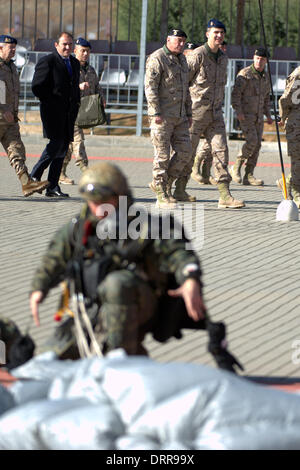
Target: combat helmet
102 181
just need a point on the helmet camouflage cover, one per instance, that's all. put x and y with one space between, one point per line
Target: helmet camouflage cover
103 181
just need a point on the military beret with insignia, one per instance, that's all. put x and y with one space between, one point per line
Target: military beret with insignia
177 32
213 23
261 52
83 42
4 38
190 45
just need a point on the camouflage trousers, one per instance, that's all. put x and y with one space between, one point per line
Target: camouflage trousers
172 148
129 308
213 129
204 152
77 148
11 140
253 131
293 148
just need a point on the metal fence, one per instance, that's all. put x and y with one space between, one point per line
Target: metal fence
119 79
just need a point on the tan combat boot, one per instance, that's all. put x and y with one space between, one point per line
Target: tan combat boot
288 186
169 189
226 200
64 179
235 170
196 174
163 200
29 186
205 171
180 193
249 179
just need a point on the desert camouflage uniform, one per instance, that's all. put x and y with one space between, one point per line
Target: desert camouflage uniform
87 74
207 80
10 132
289 109
128 293
167 93
251 97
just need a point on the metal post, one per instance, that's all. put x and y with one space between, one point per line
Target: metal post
139 118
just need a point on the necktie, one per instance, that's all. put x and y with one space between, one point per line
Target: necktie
68 64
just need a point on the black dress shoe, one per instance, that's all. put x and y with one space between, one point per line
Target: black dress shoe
56 192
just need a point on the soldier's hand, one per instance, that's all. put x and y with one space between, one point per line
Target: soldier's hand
8 116
190 291
35 299
241 117
281 123
269 120
158 120
84 85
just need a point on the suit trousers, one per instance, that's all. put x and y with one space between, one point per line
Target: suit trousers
53 156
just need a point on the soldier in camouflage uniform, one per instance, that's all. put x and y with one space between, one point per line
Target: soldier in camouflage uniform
89 85
207 79
289 109
169 111
137 285
251 100
9 127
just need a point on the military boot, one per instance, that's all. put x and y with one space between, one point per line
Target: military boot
235 171
169 189
249 179
180 193
30 186
196 174
64 179
288 186
226 200
163 200
205 171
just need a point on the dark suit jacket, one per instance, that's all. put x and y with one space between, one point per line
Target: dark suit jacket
59 95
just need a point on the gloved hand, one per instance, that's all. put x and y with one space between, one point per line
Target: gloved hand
217 346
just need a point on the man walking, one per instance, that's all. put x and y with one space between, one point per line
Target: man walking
207 79
56 84
251 100
89 85
9 127
169 111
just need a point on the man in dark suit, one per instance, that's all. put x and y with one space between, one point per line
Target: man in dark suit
56 84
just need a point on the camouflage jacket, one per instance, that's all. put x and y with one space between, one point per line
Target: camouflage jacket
88 74
10 84
154 259
251 93
290 100
207 80
166 84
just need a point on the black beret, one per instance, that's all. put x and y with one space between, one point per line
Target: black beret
261 52
4 38
177 32
213 23
190 45
83 42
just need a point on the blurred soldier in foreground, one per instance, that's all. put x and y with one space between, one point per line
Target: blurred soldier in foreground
131 286
9 127
251 100
18 348
207 80
289 111
89 85
169 111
